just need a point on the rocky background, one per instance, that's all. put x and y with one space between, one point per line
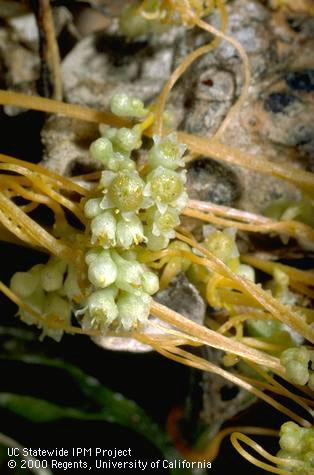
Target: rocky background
97 61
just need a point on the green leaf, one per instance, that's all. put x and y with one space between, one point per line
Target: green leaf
33 409
113 407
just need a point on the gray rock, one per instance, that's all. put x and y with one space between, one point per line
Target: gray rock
208 180
222 400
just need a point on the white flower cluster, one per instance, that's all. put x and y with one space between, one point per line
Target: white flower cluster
296 446
298 363
121 290
48 289
131 209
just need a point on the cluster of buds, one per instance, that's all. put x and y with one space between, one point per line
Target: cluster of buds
130 209
297 445
297 362
121 290
49 290
141 17
222 244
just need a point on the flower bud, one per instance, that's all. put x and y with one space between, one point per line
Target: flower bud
36 301
102 271
296 361
101 149
57 307
108 132
24 283
129 276
70 286
106 178
52 275
91 255
291 437
92 208
150 282
128 139
123 105
155 243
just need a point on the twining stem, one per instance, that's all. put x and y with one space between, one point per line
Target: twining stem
303 402
74 111
59 180
180 70
189 359
51 49
246 68
212 338
211 450
230 213
196 144
306 277
34 231
37 198
236 436
43 186
290 228
276 308
225 153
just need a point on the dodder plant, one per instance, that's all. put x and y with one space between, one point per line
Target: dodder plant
101 281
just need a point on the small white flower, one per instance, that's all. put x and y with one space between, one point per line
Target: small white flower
133 309
155 243
166 152
106 178
103 228
129 231
102 310
129 275
165 222
165 185
59 309
180 203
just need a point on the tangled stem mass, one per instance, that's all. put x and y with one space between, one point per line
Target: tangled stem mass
129 218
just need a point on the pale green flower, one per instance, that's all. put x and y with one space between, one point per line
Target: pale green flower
101 309
103 230
133 309
123 105
102 271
